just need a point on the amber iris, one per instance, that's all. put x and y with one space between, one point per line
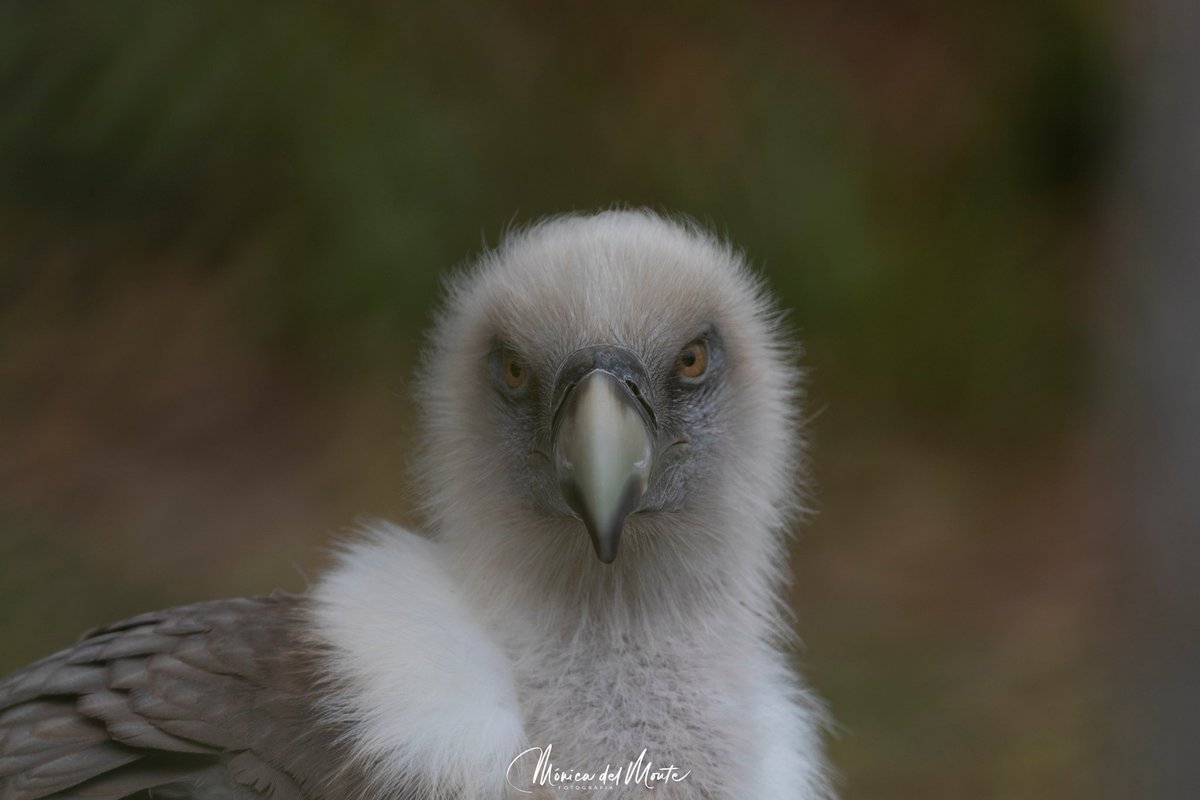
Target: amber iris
693 360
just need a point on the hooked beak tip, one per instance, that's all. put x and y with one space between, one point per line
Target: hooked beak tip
607 553
606 533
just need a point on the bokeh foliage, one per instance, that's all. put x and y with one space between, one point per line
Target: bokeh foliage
916 180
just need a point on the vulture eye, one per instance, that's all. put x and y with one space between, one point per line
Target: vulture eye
693 360
512 370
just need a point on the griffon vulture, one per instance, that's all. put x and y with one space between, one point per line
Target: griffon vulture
609 465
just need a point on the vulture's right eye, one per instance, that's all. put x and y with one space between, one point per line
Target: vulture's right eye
512 369
693 360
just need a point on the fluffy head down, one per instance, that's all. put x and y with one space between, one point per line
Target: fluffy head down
446 655
650 285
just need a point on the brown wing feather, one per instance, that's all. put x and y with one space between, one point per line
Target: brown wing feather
213 692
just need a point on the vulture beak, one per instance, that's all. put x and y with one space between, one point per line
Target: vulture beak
603 433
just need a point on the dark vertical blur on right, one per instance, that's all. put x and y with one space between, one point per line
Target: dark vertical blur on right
1157 407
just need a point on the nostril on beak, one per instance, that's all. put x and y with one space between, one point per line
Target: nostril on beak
636 391
556 417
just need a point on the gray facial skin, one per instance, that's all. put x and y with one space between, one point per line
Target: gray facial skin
612 436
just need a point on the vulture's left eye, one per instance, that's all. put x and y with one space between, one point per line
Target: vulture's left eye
512 369
693 360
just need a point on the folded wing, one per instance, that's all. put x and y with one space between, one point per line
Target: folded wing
213 698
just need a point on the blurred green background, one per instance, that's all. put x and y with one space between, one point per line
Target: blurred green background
222 226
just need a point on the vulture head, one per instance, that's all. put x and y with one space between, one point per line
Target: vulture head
610 394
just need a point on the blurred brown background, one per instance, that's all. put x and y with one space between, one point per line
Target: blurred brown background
221 230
